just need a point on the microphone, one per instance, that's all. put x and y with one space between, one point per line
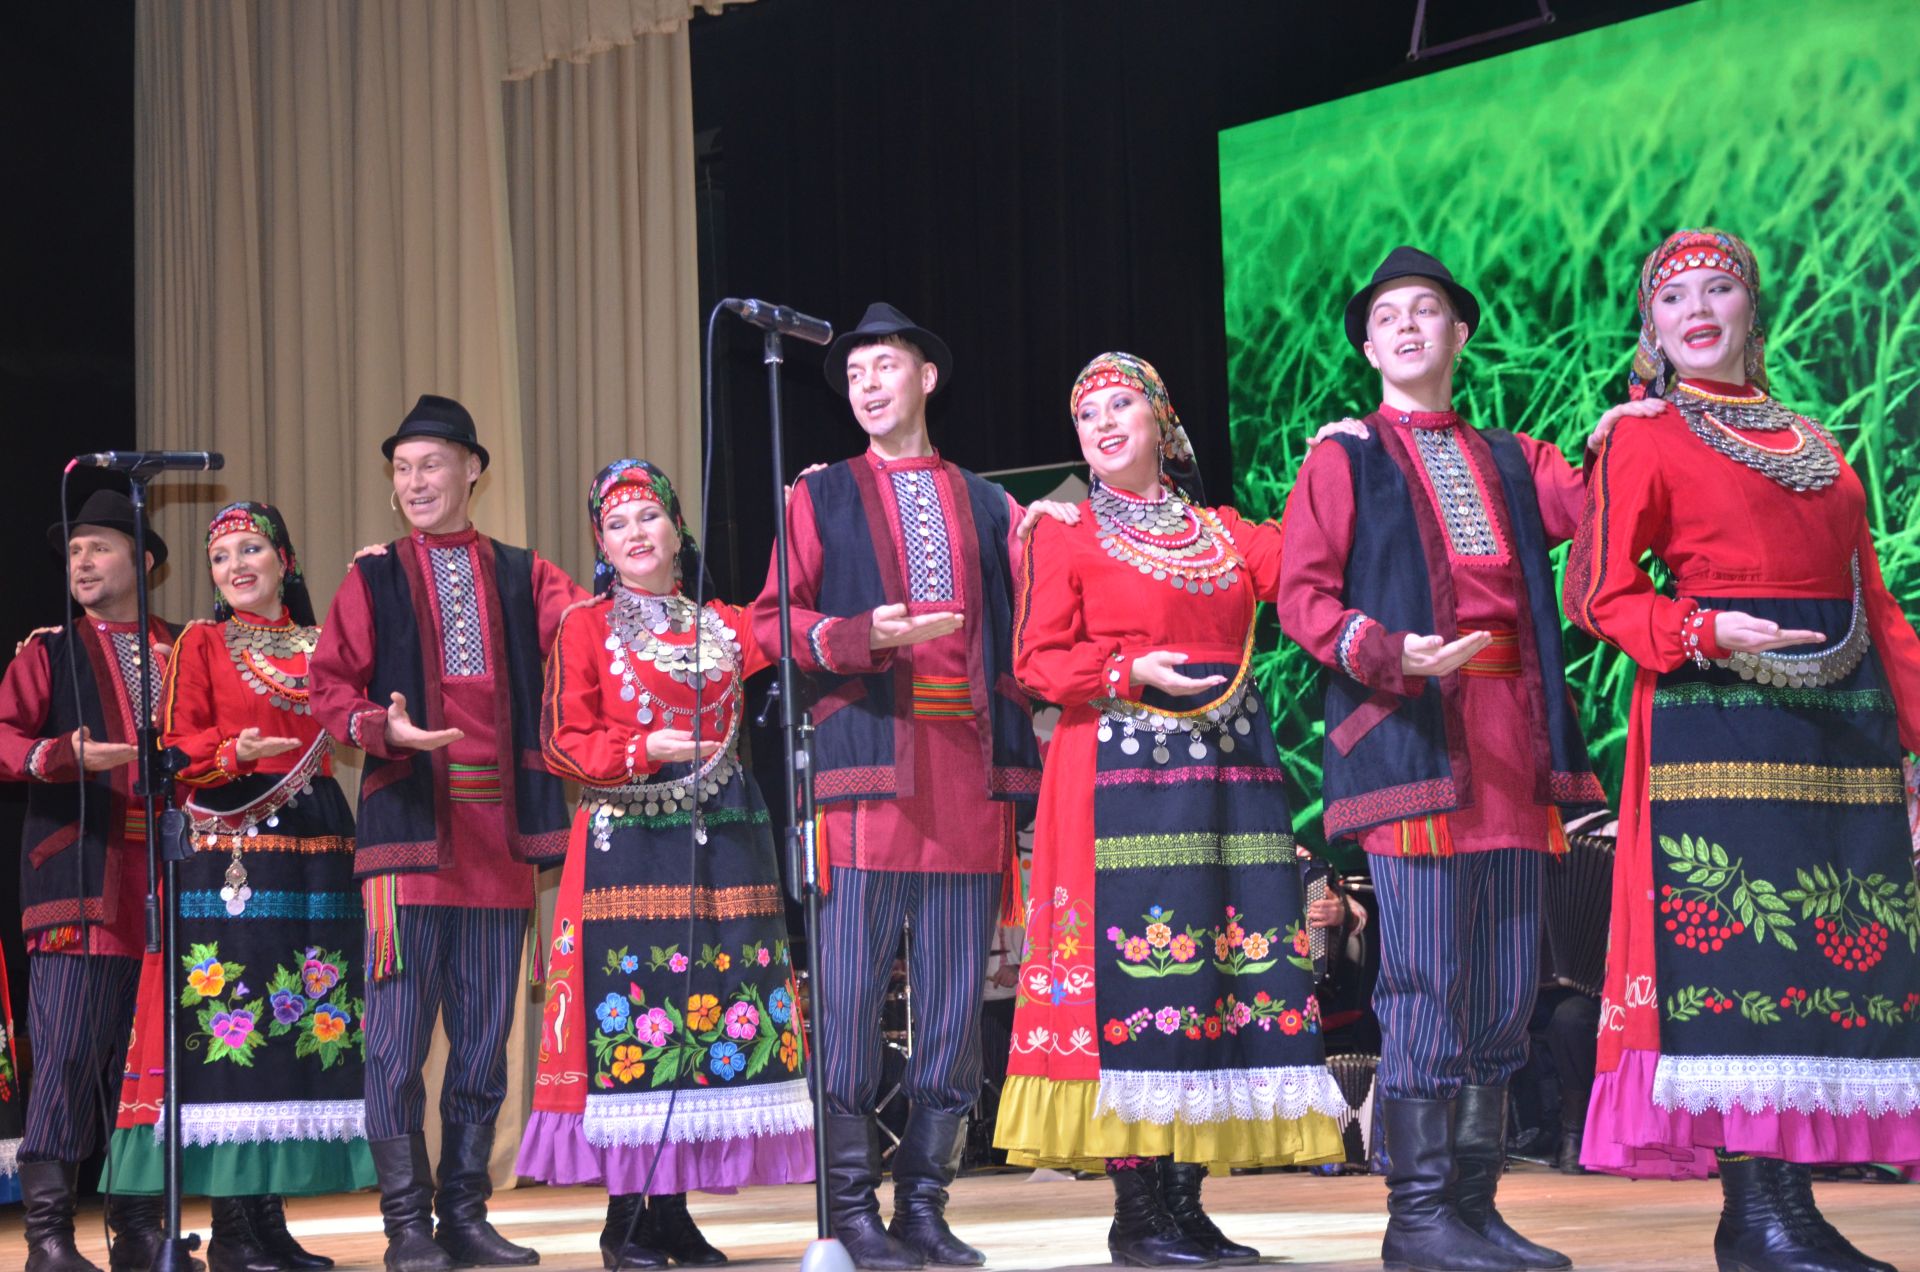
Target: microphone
152 461
788 322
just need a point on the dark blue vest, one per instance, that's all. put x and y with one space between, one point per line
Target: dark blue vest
55 888
1409 757
405 817
863 747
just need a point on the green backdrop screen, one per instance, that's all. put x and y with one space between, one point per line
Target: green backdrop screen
1542 178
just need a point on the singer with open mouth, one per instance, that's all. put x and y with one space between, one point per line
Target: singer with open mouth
1416 571
671 1041
1762 997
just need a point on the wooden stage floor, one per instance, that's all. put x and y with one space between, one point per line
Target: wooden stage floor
1299 1221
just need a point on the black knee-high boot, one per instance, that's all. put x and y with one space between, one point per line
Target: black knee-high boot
1793 1185
1424 1231
1145 1233
47 1189
1480 1157
1756 1233
1180 1187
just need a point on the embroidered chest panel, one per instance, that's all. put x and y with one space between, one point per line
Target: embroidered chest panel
463 644
923 535
1457 492
127 651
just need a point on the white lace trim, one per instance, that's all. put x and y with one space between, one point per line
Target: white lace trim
1242 1095
268 1123
1798 1084
708 1113
9 1157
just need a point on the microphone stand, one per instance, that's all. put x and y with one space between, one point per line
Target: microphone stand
823 1254
155 789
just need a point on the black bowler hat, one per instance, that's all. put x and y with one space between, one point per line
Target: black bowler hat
441 418
1408 262
113 510
880 321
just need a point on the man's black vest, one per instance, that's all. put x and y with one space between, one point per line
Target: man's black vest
1407 757
863 749
405 813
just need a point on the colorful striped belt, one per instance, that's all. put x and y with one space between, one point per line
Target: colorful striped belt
473 783
1500 659
942 697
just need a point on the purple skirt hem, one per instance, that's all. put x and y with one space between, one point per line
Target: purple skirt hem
1628 1134
555 1151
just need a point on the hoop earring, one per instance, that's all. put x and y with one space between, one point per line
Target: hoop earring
393 500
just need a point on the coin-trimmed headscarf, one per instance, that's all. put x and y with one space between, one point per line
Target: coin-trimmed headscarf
1176 452
1683 250
622 482
264 520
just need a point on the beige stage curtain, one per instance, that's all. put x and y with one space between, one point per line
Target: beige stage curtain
322 236
542 32
600 158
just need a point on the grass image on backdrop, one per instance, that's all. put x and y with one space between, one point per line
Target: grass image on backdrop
1543 177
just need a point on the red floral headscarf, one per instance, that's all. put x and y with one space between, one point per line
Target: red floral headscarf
1684 250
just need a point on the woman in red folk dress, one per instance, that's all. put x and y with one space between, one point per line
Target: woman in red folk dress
1166 1018
670 1046
267 991
1762 1000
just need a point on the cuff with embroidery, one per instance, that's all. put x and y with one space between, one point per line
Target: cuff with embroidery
367 729
1697 639
1370 653
841 646
51 760
227 759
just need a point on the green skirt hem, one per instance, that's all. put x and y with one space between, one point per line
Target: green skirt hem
290 1168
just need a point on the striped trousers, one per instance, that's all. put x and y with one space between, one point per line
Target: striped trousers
465 964
1459 969
79 1015
860 921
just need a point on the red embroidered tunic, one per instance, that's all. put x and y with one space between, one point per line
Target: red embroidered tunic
1723 530
26 755
205 706
947 824
1318 529
592 735
483 875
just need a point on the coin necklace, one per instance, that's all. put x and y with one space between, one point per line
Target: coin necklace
1808 464
1167 539
253 646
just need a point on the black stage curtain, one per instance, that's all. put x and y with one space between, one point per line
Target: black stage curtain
1037 182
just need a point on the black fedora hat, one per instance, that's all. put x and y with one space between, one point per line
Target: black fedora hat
880 321
1409 262
441 418
113 510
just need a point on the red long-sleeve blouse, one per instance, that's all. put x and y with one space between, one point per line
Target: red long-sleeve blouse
588 730
205 705
1723 529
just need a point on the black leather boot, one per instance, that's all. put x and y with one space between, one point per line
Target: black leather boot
1424 1232
1180 1189
1793 1189
235 1246
269 1216
853 1173
1567 1161
46 1191
1144 1233
922 1169
406 1204
461 1203
676 1235
139 1226
624 1241
1480 1156
1755 1233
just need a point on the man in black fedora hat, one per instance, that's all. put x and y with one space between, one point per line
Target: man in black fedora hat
69 711
1415 568
430 662
902 581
